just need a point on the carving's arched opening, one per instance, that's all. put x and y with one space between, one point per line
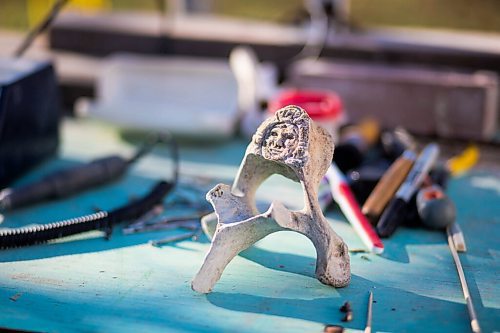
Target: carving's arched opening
280 188
297 254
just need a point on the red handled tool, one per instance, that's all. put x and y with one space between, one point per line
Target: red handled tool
344 197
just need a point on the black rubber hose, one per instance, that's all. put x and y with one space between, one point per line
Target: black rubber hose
104 220
99 221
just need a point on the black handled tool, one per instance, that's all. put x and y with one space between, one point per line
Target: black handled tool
104 220
396 210
66 182
98 221
435 209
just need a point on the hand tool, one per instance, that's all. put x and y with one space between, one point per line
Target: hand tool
368 328
474 323
144 220
102 220
172 239
344 197
435 209
63 183
395 211
98 221
187 222
388 185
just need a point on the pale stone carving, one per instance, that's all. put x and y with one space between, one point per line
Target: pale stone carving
290 144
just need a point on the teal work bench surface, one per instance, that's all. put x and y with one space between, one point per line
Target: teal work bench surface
90 284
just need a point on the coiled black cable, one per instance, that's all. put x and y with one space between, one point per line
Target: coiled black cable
99 221
103 220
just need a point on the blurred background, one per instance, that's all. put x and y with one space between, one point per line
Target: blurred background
213 70
444 14
98 96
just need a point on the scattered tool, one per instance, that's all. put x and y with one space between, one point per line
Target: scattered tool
368 328
388 185
102 220
435 209
187 222
144 220
172 239
63 183
395 212
98 221
465 289
344 197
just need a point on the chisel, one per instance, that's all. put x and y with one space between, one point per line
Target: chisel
388 185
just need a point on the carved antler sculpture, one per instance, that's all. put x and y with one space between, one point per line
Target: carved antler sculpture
290 144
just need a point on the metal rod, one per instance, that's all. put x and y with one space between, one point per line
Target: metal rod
146 218
368 328
474 323
172 239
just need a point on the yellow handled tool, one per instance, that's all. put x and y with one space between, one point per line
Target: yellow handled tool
388 185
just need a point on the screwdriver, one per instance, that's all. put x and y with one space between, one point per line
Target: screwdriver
69 181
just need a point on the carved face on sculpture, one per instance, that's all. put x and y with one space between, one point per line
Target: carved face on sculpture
285 137
282 138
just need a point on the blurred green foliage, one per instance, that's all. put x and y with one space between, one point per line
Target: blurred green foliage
449 14
13 14
481 15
